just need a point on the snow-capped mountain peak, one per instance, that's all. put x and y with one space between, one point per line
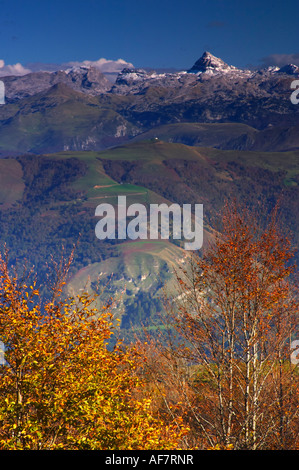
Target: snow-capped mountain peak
208 62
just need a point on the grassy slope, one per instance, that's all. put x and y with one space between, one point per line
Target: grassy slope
97 185
203 134
287 162
154 152
152 159
140 266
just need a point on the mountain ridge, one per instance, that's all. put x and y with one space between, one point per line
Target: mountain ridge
88 79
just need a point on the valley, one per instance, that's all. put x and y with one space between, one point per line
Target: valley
73 139
55 196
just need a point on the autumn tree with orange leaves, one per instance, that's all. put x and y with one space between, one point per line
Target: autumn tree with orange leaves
61 387
230 327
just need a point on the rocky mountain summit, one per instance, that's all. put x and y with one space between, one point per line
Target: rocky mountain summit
209 63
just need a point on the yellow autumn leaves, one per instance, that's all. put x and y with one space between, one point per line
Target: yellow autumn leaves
61 386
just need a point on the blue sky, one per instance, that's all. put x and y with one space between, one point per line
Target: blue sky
165 33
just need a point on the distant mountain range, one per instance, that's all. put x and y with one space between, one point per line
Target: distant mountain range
89 80
80 109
